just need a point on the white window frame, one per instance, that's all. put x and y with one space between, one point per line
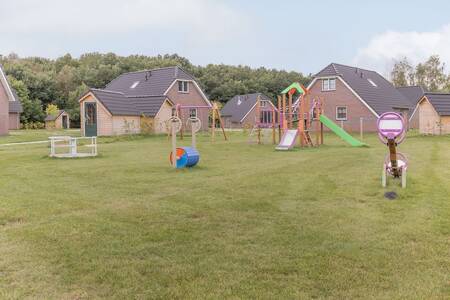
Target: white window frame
184 84
263 103
346 113
174 112
326 84
191 110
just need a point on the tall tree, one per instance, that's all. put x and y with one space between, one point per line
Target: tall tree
402 73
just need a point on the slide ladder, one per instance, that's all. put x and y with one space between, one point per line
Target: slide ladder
341 132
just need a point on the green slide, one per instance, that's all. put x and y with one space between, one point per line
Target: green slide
341 132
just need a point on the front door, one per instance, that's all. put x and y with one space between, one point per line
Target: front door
64 122
90 119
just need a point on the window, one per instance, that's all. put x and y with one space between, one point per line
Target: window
183 86
341 113
329 84
239 101
135 84
265 117
192 113
262 103
371 82
174 112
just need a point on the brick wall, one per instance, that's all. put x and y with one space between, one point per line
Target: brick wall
4 111
14 121
193 97
342 96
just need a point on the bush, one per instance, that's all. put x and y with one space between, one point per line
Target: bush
32 125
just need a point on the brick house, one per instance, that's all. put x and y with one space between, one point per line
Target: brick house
352 93
60 120
240 111
10 106
137 101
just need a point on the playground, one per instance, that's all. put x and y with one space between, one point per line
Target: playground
247 222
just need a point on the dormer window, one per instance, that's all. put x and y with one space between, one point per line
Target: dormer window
371 82
183 86
239 102
135 84
329 84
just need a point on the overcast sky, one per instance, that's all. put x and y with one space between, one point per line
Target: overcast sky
294 35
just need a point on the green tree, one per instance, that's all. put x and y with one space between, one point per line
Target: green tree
52 110
402 73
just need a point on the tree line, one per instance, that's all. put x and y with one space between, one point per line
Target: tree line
430 74
40 82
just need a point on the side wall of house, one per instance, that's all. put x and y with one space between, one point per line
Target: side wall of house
104 118
164 114
342 96
58 121
414 122
126 125
4 111
428 118
445 124
14 121
193 97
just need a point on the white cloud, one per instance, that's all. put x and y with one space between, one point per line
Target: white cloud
385 48
200 21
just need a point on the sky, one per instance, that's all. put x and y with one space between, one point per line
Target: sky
301 36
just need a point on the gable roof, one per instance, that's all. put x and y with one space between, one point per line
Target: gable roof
377 92
440 102
147 82
121 105
55 116
412 93
238 106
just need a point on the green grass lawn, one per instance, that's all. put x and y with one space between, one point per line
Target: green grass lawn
247 222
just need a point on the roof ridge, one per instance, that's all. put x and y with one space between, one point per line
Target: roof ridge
436 93
353 67
156 69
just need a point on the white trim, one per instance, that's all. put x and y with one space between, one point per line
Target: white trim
417 107
195 84
7 86
346 113
162 105
347 86
248 112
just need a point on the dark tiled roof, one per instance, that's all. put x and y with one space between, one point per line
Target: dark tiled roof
240 105
149 82
54 117
119 104
440 102
381 98
412 93
15 106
